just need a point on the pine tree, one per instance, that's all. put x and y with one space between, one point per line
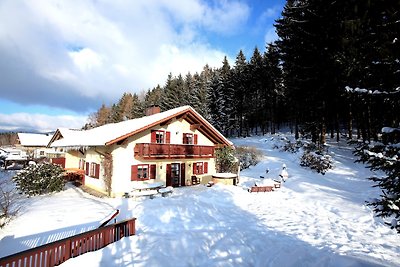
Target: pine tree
153 97
240 82
385 157
256 91
217 102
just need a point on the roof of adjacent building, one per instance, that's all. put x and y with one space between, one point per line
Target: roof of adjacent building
115 132
34 139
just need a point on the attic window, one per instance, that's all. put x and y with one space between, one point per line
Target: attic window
160 137
188 138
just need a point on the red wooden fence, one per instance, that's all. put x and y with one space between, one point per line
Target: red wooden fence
57 252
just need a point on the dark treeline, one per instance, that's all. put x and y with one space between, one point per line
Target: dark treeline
300 80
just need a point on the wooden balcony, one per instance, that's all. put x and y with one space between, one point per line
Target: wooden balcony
172 151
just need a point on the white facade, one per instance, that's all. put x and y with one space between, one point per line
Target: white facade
87 150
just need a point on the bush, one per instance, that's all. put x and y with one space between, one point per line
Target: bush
292 147
316 161
248 156
40 179
9 204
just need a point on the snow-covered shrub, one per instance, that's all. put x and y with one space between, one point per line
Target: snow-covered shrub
8 200
292 147
248 156
40 179
316 161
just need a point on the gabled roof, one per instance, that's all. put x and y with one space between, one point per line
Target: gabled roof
115 132
34 139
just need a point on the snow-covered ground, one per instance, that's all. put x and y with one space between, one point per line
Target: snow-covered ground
313 220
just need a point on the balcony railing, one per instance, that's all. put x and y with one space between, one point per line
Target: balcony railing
172 151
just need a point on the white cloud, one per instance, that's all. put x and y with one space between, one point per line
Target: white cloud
79 54
86 59
119 45
271 35
272 12
40 122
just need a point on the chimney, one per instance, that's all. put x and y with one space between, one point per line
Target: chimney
152 110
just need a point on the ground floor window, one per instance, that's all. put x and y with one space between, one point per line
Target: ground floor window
143 172
81 164
200 168
94 170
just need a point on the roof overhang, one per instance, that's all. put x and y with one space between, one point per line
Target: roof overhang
191 116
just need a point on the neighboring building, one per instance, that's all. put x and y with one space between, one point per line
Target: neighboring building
168 147
35 145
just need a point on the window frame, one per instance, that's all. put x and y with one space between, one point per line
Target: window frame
188 139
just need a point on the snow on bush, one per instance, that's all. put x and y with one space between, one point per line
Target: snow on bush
9 196
316 161
248 156
40 179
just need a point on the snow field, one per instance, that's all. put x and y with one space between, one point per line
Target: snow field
313 220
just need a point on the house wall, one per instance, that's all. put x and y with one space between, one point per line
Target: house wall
95 155
123 156
72 158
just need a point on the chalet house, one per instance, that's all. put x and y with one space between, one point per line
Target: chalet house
175 147
35 145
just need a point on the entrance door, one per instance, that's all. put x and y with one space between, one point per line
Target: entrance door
173 175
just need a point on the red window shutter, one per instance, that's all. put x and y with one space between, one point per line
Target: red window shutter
87 168
205 167
134 173
153 137
153 171
97 171
195 139
168 138
194 168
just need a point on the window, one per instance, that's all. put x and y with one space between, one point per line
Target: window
41 153
188 138
160 137
143 172
94 170
81 164
200 168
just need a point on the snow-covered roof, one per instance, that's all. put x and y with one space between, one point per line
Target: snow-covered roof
33 139
113 132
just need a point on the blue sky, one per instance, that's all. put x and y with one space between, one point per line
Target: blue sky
60 60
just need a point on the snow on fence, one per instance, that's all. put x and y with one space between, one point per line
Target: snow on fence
57 252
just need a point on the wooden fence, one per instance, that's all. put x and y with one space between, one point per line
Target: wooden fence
57 252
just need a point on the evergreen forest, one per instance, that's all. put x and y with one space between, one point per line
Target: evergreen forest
334 70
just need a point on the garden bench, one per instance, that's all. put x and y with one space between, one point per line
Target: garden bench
165 191
256 189
144 193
